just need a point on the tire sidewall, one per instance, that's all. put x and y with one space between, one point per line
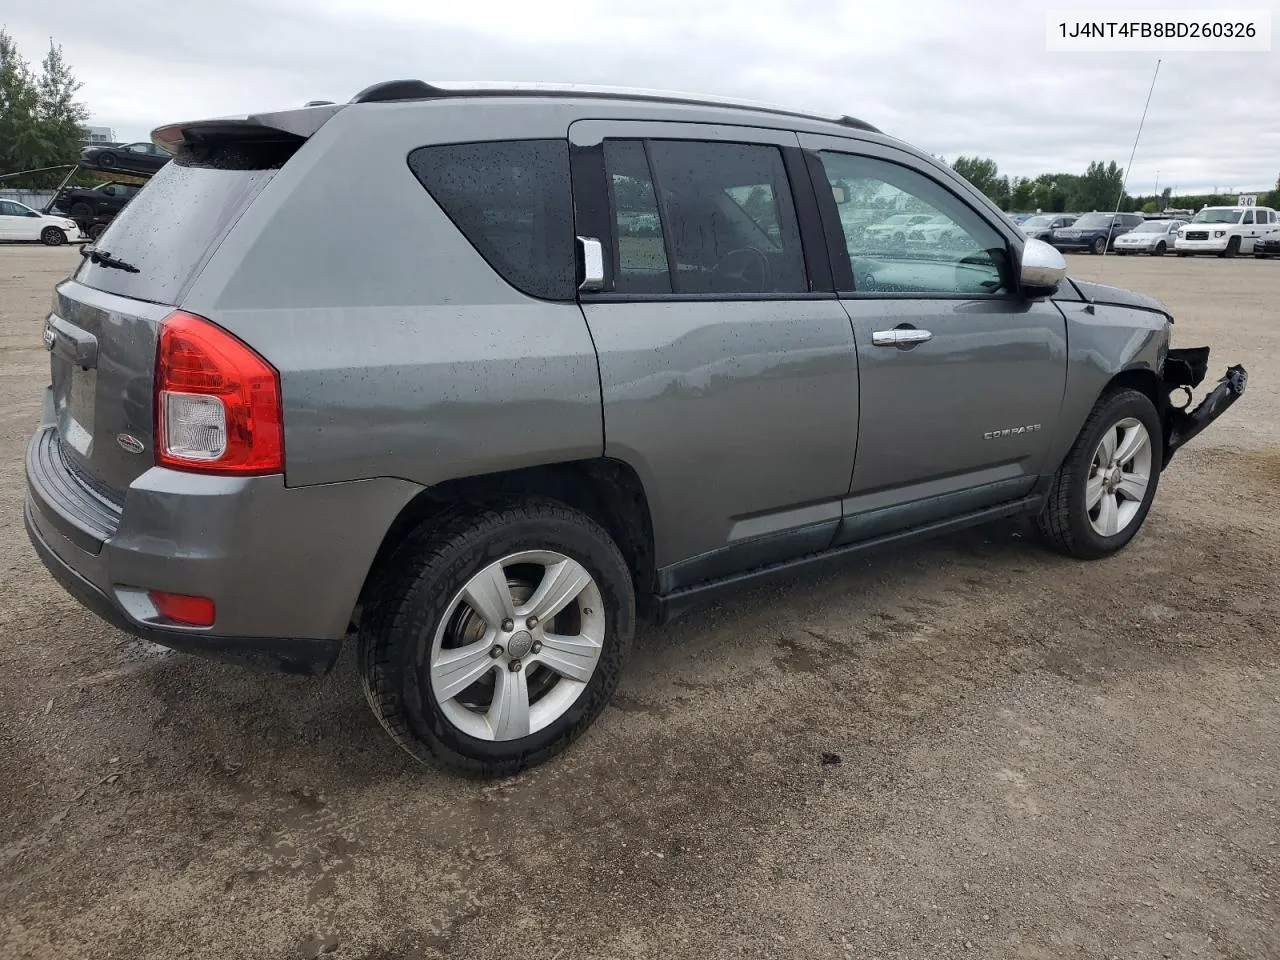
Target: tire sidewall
1128 403
428 600
52 237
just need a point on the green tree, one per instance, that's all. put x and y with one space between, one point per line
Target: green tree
983 173
1099 188
41 121
1272 197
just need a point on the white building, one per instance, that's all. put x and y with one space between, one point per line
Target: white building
94 135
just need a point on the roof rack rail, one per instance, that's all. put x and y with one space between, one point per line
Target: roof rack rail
395 90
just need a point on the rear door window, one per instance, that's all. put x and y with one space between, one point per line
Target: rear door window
640 264
511 199
729 218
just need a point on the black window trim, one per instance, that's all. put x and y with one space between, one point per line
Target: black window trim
842 267
592 218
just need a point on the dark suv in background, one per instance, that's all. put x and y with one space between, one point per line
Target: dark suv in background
85 203
1042 225
1095 232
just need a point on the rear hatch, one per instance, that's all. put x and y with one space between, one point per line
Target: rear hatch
103 330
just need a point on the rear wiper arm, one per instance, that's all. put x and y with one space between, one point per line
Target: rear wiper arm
104 259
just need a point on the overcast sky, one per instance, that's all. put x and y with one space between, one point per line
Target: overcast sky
951 76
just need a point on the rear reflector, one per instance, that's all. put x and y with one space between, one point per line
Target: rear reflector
217 402
180 608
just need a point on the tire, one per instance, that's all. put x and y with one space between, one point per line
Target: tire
1099 246
95 230
419 602
52 237
1067 523
1160 249
1233 247
80 211
107 160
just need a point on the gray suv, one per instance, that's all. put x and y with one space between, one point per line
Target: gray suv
482 376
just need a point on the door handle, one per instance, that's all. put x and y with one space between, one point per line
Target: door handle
902 337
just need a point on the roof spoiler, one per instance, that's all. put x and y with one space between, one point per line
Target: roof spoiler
282 125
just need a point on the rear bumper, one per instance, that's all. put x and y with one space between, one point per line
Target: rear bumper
283 566
307 657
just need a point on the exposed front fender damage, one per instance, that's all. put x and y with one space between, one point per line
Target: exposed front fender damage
1186 368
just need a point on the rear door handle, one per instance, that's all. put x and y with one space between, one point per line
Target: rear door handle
900 338
70 342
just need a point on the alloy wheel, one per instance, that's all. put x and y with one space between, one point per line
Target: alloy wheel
517 645
1119 477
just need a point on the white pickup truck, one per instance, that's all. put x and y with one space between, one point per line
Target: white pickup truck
1225 231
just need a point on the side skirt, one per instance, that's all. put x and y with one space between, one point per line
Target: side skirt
671 605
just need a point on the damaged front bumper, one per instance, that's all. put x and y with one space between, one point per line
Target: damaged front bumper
1185 369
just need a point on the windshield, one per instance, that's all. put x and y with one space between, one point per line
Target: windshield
1093 221
1034 222
1152 226
1217 216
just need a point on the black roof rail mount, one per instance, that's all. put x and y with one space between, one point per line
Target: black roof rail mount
393 90
398 90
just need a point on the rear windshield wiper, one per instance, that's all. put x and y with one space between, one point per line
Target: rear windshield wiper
104 259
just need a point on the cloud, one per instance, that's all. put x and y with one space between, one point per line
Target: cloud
951 77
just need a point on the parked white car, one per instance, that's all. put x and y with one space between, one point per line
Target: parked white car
1225 231
1154 237
20 222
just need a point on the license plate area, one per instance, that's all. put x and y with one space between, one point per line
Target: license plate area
74 396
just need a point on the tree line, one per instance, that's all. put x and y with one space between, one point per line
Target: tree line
1098 188
41 120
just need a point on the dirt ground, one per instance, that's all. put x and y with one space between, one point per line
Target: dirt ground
1039 758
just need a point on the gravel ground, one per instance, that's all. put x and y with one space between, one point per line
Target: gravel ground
1039 758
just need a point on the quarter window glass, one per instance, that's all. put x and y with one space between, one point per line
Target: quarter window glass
641 256
511 200
906 233
729 218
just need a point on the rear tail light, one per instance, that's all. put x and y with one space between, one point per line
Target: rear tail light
217 404
181 608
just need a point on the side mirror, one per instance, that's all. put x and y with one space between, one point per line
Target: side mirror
1042 267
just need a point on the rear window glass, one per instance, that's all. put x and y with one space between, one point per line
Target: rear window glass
168 230
511 199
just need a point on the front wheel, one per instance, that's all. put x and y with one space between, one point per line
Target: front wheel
1233 247
52 237
1160 249
1103 490
1098 246
498 636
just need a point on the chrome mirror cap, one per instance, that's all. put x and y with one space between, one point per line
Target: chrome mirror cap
1043 267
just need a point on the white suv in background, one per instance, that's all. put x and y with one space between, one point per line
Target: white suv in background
1225 231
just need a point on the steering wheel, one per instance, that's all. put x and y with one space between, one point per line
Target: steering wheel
747 267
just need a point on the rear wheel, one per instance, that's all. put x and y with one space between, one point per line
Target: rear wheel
1098 246
497 636
1103 490
1160 249
106 160
52 237
1233 247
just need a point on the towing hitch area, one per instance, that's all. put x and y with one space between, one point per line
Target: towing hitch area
1185 369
